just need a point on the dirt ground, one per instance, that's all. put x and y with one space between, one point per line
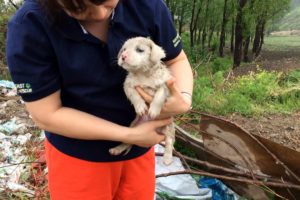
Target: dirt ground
280 128
283 61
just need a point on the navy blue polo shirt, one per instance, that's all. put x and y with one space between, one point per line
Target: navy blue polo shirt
44 57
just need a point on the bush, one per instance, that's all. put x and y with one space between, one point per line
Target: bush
257 87
290 79
221 64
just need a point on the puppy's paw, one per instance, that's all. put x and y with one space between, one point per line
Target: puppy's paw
141 108
115 151
154 111
167 159
120 149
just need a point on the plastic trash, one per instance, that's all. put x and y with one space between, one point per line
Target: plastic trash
17 187
7 88
14 134
219 190
7 84
14 125
181 186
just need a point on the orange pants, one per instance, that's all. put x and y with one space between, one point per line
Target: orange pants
70 178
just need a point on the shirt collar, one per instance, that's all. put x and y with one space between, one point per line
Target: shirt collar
72 29
111 19
83 29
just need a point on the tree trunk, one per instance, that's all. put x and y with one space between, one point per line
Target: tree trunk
197 24
204 34
246 49
192 29
181 19
211 33
256 37
259 37
239 34
223 26
194 23
262 36
199 35
232 36
204 31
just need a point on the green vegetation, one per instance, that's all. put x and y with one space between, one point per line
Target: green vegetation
6 12
210 23
3 21
253 94
282 43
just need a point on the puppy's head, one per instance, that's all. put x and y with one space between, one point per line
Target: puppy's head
139 54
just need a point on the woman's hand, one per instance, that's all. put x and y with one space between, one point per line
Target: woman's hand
146 134
177 103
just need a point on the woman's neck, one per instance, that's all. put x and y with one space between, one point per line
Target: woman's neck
96 28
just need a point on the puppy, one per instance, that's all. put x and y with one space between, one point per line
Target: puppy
141 57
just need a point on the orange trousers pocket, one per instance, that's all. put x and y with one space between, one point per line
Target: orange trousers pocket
70 178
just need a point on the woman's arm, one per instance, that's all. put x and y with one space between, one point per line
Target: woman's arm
182 72
49 114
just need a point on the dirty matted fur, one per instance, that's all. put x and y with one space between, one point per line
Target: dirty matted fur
141 57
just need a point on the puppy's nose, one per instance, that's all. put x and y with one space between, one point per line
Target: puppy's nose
124 56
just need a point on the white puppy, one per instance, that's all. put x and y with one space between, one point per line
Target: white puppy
141 57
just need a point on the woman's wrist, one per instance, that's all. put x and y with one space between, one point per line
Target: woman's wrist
187 98
127 135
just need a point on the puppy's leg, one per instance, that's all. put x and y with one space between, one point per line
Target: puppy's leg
120 149
169 131
157 102
137 101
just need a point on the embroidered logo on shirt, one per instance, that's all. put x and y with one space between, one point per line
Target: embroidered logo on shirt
176 40
24 88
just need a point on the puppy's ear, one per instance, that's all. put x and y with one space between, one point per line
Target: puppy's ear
157 53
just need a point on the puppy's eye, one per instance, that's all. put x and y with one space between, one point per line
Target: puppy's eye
139 50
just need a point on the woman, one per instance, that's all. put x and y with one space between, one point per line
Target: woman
62 58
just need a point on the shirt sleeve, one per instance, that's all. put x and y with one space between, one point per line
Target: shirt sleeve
31 59
165 34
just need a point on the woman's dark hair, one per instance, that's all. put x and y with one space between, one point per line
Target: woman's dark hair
54 8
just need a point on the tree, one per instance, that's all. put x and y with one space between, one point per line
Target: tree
239 33
268 11
223 26
209 22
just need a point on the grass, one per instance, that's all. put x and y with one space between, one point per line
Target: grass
249 95
286 43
